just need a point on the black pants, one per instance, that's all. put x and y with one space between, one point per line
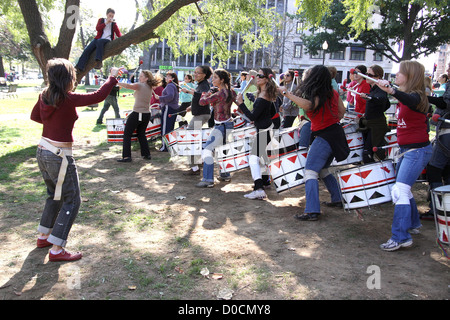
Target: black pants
132 124
288 121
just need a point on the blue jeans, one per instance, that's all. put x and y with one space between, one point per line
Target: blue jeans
215 139
96 44
305 135
319 158
406 216
58 216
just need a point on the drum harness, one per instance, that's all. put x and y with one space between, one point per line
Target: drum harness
63 153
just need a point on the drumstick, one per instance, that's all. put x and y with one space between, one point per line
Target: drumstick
248 84
375 149
353 71
140 63
174 114
358 93
293 80
271 76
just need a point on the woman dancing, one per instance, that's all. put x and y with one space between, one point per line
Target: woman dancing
413 140
261 116
56 110
324 108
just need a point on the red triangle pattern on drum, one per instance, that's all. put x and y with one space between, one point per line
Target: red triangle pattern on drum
229 165
386 169
277 164
363 174
292 134
243 162
346 178
444 237
293 158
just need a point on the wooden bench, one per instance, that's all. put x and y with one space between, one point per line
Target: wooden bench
92 106
11 92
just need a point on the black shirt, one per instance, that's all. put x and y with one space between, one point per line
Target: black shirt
263 111
196 108
377 105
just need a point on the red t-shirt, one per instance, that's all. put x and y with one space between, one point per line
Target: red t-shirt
360 103
59 122
326 116
411 126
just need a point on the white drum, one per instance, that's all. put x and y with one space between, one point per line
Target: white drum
244 132
288 170
393 148
171 142
239 122
355 142
367 185
234 155
191 142
283 141
115 129
441 203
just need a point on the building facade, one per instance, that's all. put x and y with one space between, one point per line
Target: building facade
287 51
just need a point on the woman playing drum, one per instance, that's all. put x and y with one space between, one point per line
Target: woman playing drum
413 140
221 101
374 119
263 111
325 109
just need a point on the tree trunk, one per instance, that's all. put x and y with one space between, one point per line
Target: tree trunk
43 51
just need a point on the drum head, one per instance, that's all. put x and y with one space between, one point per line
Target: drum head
444 189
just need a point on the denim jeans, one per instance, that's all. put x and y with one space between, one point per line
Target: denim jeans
305 135
96 44
167 122
58 216
406 216
197 123
319 157
215 139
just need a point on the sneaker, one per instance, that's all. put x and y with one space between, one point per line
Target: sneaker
64 256
124 160
414 230
224 179
205 184
257 194
42 243
333 204
191 173
98 65
392 245
307 216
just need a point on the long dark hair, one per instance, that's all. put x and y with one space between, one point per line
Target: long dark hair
61 78
207 71
271 87
225 76
317 84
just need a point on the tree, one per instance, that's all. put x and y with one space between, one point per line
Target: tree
166 19
416 27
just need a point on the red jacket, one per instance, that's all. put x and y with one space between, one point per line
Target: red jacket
101 25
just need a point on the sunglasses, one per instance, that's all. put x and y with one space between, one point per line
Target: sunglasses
261 76
371 75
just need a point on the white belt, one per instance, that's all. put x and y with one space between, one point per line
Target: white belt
63 153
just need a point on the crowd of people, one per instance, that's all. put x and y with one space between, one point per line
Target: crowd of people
209 96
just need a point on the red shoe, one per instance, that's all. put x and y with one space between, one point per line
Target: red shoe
42 243
64 256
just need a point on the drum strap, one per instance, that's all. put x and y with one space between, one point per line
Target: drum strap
63 153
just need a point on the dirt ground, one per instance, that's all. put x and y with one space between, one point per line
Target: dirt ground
140 240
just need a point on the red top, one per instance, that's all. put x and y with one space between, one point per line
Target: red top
59 122
101 25
411 126
325 117
360 103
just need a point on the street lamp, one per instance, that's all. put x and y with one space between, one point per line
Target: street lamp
324 47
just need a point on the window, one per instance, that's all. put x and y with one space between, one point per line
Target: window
338 55
299 28
319 55
298 50
357 53
377 56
